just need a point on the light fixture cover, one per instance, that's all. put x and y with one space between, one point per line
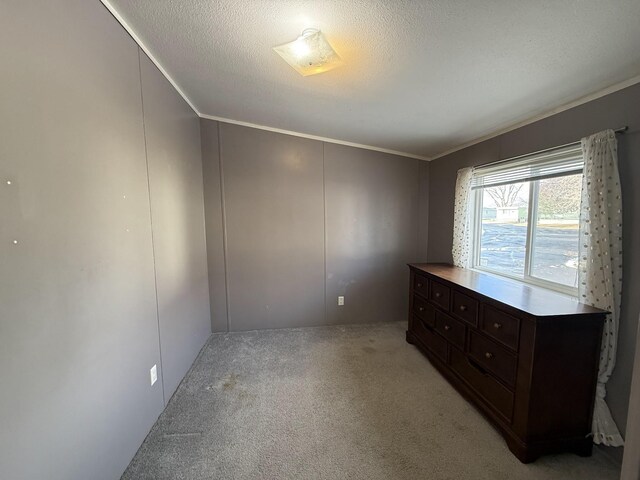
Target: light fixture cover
310 53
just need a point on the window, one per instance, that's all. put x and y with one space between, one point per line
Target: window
527 216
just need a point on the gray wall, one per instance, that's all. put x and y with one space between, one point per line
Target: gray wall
612 111
216 241
297 222
78 316
631 464
172 132
423 211
371 233
274 228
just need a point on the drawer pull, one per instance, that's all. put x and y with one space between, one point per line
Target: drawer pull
497 325
438 294
463 308
419 285
421 309
447 327
488 355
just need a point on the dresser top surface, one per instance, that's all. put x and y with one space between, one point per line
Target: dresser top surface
530 299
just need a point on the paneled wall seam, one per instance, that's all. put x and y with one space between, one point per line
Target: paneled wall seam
204 218
224 226
297 213
419 190
324 230
153 251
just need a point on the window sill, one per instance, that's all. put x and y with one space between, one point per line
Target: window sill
563 290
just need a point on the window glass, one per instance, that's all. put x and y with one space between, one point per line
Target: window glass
554 249
526 221
503 237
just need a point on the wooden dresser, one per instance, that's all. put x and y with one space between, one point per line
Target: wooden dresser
526 357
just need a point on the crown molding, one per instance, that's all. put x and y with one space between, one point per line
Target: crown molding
567 106
146 50
549 113
314 137
175 85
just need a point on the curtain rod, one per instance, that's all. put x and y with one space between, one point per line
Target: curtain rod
617 131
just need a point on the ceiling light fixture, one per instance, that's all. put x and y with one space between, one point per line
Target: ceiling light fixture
310 53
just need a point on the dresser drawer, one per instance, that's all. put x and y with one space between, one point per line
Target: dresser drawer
451 329
501 326
424 310
434 342
439 294
421 285
494 393
501 343
465 308
493 357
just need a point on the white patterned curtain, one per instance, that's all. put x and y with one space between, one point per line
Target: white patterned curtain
462 219
600 273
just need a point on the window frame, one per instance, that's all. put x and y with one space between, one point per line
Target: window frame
532 209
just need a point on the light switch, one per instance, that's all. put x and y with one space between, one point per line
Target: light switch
154 374
340 301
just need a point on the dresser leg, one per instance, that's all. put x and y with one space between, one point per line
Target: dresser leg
584 449
526 358
528 454
409 337
522 453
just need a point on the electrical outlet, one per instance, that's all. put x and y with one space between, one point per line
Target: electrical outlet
340 301
154 374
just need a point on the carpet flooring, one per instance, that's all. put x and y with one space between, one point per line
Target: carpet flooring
343 402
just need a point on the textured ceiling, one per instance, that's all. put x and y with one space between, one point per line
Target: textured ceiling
420 77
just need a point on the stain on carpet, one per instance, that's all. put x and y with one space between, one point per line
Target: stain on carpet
324 403
231 382
182 435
